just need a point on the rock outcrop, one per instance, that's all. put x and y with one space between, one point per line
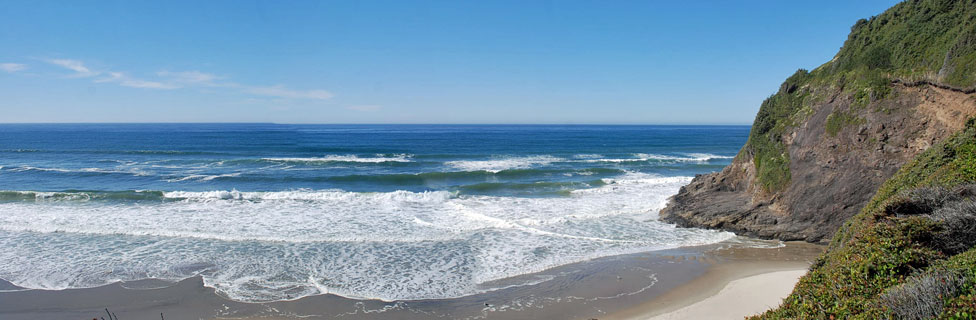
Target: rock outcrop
823 144
832 176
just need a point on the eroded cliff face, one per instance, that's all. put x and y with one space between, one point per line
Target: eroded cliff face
835 166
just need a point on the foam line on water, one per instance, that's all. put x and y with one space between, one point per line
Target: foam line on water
379 158
134 172
205 177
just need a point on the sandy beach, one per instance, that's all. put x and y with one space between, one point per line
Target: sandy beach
749 282
695 282
741 297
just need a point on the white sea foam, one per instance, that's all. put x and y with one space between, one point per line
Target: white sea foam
204 177
32 168
588 156
692 157
641 157
506 163
260 246
379 158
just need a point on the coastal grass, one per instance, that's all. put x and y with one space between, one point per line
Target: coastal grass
909 253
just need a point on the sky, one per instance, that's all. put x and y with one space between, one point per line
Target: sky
534 62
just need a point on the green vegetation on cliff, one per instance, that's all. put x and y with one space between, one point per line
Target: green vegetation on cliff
771 158
920 40
931 40
882 264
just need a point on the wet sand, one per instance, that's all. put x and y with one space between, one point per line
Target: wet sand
635 286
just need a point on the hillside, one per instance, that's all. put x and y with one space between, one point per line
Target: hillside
909 254
876 150
828 138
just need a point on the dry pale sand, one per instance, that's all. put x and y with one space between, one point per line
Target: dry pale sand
741 298
747 282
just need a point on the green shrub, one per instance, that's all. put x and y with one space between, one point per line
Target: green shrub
878 57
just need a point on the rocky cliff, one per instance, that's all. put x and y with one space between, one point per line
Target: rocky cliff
822 145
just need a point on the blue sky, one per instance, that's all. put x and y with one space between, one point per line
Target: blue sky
608 62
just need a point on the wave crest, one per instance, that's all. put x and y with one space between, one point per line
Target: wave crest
502 164
379 158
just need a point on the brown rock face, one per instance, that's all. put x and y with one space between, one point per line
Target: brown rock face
832 176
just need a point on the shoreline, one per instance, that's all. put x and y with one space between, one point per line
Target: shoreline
634 286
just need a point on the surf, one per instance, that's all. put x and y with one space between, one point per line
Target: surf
422 232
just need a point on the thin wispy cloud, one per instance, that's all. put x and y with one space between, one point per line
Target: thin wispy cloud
120 78
168 80
280 91
192 77
12 67
74 65
124 80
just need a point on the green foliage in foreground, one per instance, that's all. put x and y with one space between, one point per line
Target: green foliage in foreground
881 253
932 40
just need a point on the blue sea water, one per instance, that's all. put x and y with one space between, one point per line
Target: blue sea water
269 211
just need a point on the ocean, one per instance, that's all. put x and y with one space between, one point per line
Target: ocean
268 212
